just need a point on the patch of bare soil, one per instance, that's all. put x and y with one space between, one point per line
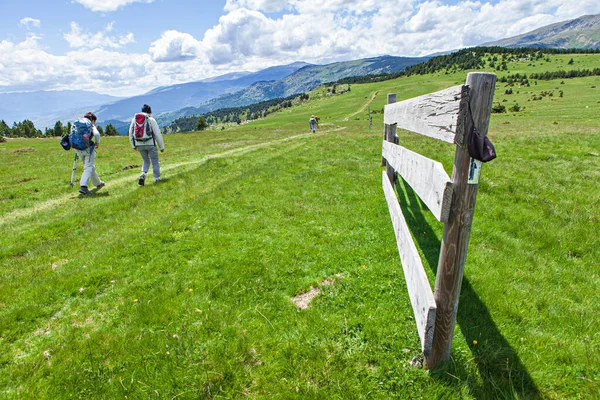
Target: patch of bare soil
302 301
23 150
129 167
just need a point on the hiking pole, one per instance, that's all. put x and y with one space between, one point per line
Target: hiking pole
74 169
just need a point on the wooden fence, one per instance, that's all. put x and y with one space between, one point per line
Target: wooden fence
447 115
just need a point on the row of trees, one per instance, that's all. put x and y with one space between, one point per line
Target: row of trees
473 58
565 74
20 129
523 79
27 129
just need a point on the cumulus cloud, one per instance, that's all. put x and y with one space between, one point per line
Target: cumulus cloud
240 33
175 46
574 9
78 38
338 29
108 5
28 66
258 5
250 37
29 22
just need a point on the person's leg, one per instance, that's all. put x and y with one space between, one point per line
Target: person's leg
146 165
153 154
144 153
92 165
84 156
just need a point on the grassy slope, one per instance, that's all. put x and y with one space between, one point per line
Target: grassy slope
186 285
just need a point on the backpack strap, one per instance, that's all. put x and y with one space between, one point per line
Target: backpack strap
150 130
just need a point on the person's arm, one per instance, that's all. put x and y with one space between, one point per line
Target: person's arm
157 135
131 133
96 135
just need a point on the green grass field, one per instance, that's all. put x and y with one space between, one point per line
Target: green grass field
183 289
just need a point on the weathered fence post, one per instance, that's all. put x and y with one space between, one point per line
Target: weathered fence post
390 136
457 230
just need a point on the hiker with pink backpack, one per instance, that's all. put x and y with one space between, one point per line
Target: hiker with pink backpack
145 137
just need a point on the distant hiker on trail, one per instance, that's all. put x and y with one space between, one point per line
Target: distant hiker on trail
313 124
145 136
81 138
317 119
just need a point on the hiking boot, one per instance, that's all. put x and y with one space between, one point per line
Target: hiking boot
157 180
142 180
100 186
84 190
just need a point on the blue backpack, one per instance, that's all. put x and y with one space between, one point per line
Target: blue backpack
81 134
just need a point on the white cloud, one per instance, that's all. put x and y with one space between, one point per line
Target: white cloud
29 22
77 38
248 37
257 5
175 46
108 5
573 9
27 67
314 7
239 34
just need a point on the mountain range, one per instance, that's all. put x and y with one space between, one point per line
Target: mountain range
236 89
579 33
43 106
175 97
303 80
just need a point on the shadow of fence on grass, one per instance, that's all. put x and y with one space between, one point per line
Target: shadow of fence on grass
502 373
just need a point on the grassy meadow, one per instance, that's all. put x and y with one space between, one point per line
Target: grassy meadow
182 290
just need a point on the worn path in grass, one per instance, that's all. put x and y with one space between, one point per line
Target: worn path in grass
59 201
364 107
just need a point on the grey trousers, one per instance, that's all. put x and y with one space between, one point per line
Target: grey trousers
150 154
88 159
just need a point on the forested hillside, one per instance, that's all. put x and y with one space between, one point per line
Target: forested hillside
476 58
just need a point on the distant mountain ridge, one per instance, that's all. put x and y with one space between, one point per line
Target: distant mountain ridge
303 80
41 105
44 108
578 33
175 97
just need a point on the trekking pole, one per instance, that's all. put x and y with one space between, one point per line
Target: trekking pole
74 169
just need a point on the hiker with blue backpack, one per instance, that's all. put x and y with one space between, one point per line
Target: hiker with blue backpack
85 139
145 137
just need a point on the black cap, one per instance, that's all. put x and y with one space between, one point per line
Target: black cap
90 115
146 109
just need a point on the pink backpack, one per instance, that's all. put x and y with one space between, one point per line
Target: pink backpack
141 129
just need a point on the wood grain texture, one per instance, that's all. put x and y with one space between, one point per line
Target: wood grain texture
433 115
419 290
390 136
427 178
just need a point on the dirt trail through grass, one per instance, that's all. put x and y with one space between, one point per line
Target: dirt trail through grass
59 201
364 107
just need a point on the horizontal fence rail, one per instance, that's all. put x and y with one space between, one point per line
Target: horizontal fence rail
427 178
434 115
419 290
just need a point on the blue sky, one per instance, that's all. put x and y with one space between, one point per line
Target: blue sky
127 47
145 20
